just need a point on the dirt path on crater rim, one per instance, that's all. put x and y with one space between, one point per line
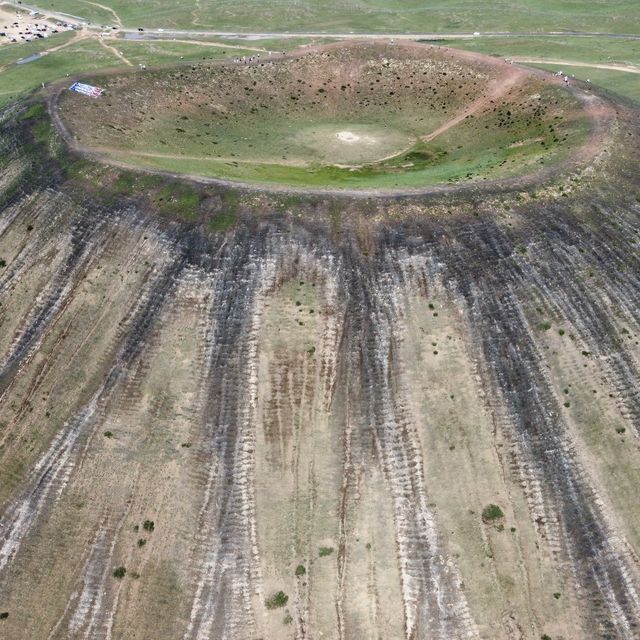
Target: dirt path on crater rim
628 68
600 112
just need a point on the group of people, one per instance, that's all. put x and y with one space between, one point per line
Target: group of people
250 59
565 78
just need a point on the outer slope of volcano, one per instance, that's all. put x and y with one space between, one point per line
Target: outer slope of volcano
346 116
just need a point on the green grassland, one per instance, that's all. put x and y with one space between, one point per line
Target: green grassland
16 80
154 53
621 83
580 49
86 55
10 53
382 16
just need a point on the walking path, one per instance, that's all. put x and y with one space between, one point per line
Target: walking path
629 68
115 52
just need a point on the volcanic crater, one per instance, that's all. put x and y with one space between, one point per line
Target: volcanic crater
365 115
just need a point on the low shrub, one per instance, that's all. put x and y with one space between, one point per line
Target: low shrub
277 600
491 513
119 572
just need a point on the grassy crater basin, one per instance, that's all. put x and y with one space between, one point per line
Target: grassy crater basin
364 115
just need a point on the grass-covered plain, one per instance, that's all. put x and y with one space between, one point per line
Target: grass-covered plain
619 82
85 55
362 115
619 16
597 50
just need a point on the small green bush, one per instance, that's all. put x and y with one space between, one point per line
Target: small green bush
492 512
557 595
149 525
141 542
325 551
108 434
277 600
119 572
300 570
4 615
36 110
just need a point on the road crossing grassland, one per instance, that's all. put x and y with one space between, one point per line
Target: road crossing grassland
366 15
89 56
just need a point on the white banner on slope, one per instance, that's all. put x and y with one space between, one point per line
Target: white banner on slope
86 89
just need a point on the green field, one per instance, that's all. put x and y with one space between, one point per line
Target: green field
580 49
381 16
622 83
87 55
